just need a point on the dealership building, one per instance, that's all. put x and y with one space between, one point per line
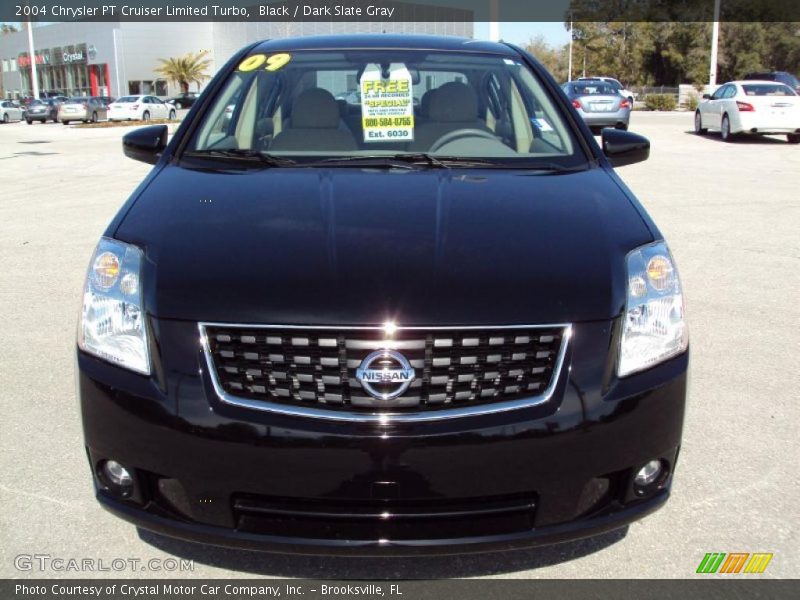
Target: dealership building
119 58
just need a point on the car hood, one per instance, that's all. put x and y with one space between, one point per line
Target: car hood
343 246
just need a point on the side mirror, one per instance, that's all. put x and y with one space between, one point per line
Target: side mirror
624 147
145 144
706 96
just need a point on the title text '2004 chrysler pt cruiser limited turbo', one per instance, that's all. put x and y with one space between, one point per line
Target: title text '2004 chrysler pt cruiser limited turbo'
434 320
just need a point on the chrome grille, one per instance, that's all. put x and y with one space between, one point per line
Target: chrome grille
315 367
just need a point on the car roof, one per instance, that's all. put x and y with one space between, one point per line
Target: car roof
752 81
585 81
384 41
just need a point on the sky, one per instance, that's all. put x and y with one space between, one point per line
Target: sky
520 33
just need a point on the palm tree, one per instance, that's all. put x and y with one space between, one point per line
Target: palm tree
186 69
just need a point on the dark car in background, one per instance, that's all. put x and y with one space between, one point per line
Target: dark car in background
377 333
599 103
183 100
42 111
779 76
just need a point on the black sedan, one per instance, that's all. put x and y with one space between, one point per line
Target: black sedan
183 100
316 331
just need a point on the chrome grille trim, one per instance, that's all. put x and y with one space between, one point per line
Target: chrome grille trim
385 417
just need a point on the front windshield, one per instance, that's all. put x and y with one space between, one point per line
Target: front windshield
313 105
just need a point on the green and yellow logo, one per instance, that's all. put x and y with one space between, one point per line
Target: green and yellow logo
735 562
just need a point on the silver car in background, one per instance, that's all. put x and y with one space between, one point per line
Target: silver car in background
599 103
88 109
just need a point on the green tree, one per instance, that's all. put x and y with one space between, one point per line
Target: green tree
659 44
784 42
610 48
554 58
746 47
186 69
677 53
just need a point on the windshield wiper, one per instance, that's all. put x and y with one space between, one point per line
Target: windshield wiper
422 157
401 161
243 154
405 160
551 167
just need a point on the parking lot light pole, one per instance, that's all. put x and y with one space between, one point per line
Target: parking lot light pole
494 24
569 68
34 77
712 72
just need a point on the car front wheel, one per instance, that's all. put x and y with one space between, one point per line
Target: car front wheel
29 121
698 124
172 115
146 116
5 118
793 138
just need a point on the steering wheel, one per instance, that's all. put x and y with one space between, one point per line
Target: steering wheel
459 134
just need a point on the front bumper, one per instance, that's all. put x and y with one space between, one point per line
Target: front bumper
226 475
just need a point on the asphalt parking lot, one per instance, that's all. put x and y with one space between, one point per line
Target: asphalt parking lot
731 213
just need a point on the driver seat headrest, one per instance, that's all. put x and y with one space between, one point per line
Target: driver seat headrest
454 102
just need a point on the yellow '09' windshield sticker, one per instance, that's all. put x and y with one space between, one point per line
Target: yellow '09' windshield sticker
268 63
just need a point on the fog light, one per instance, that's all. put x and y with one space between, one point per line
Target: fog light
117 474
649 474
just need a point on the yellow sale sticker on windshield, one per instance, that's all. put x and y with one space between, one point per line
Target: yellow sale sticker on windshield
387 105
272 63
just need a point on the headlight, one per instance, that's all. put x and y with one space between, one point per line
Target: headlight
654 328
112 320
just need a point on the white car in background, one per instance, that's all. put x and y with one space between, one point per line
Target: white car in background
140 108
9 111
750 107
